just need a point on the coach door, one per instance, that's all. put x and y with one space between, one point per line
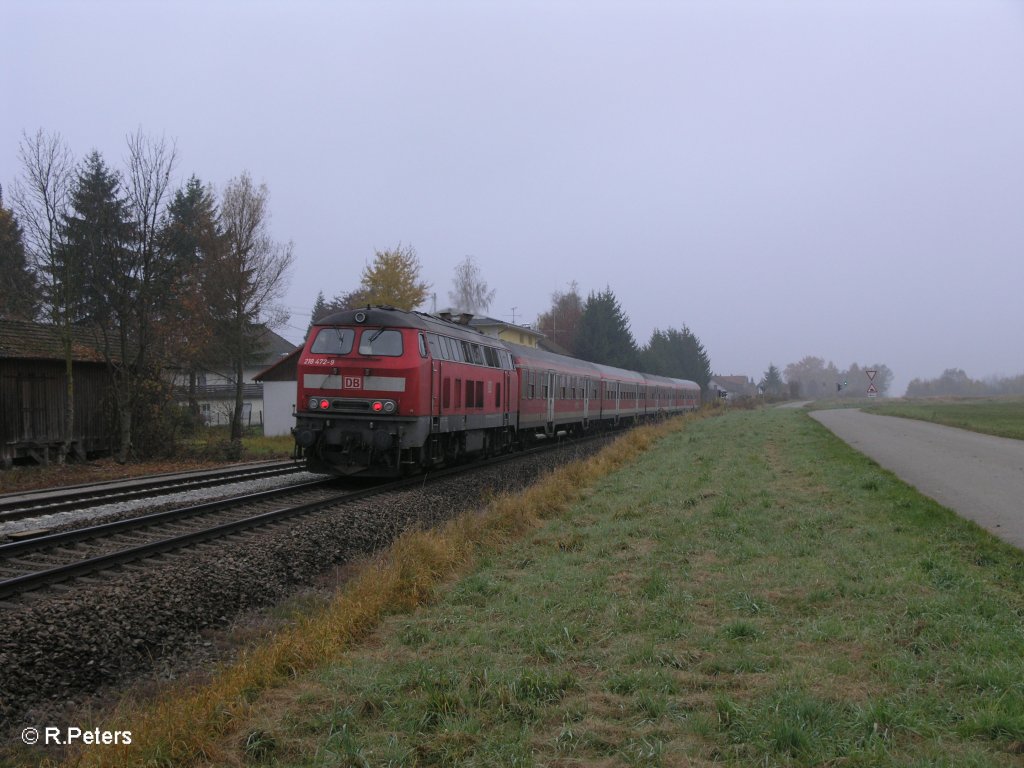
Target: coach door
505 386
549 392
586 402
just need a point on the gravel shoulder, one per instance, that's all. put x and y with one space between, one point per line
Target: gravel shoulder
979 477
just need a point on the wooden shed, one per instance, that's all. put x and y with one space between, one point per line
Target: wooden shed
33 391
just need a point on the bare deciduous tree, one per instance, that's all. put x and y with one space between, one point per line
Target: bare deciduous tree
247 281
41 198
150 164
469 292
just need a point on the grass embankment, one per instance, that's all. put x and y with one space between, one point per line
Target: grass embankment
1000 417
753 592
208 451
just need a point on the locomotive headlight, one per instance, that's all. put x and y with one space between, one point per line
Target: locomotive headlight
389 407
312 403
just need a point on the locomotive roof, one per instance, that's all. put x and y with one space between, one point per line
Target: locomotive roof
382 316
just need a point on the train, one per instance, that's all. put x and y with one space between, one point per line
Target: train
385 392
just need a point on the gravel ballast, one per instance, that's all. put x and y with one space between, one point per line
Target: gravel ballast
61 645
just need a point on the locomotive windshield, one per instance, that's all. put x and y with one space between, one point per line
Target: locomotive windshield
333 341
381 342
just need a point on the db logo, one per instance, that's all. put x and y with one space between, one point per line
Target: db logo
352 382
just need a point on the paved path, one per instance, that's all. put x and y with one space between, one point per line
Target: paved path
979 477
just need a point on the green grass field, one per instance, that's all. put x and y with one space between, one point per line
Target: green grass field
750 592
1003 417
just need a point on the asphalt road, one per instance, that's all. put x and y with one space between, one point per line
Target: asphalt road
979 477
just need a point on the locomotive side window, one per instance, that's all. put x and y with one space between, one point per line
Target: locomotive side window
333 341
423 345
435 347
381 342
455 348
492 357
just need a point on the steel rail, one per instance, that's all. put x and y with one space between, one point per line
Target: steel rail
25 507
23 583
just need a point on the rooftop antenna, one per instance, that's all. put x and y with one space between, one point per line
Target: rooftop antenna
514 315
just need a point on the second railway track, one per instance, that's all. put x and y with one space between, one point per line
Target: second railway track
40 503
31 563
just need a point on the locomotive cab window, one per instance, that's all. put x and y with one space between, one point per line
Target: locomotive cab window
333 341
381 342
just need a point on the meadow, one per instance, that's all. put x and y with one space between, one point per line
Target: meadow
1003 417
736 590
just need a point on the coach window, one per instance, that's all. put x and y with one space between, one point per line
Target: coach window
381 342
333 341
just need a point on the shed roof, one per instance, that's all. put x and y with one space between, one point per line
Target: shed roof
20 340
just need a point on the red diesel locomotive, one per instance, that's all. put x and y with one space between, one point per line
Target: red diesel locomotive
385 392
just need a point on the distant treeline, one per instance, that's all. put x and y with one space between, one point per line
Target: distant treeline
954 382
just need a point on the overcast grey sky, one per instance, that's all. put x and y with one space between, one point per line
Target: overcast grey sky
786 177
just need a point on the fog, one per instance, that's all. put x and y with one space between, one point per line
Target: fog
786 178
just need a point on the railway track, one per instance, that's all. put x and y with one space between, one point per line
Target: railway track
31 563
49 501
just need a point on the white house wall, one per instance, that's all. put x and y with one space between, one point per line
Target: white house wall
279 406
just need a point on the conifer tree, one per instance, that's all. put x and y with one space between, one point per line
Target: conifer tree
98 237
677 353
604 335
17 283
193 242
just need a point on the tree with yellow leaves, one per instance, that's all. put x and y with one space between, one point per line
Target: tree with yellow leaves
394 278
